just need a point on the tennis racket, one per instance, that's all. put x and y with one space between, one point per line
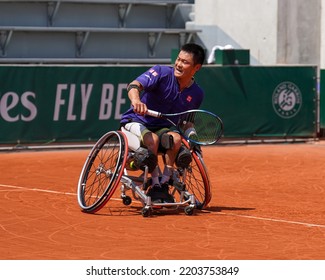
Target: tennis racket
197 126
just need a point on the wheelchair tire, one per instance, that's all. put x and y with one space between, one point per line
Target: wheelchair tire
197 180
102 171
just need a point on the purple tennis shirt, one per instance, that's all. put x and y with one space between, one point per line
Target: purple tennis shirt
161 93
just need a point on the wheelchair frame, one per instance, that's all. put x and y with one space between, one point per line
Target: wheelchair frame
105 169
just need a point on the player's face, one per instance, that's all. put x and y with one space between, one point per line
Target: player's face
184 66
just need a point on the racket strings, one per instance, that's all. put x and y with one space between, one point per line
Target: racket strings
208 127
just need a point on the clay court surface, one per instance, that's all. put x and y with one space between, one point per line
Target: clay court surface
268 204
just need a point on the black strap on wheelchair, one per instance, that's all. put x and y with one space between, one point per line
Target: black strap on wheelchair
167 141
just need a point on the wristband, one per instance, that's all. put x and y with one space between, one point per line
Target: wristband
131 86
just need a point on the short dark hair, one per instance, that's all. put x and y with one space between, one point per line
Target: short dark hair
197 51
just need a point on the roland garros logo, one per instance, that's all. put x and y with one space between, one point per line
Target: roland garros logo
287 100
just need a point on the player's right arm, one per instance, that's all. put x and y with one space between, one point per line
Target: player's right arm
134 89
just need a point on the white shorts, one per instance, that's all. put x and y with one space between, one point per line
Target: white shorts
140 130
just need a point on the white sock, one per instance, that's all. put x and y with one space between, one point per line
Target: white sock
166 174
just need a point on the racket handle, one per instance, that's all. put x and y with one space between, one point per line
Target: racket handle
153 113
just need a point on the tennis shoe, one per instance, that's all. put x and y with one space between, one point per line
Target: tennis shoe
168 198
160 194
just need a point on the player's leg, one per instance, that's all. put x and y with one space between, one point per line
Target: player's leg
169 145
150 140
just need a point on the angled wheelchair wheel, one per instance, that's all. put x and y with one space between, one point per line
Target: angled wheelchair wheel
197 180
102 171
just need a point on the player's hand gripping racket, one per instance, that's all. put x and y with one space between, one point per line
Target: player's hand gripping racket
197 126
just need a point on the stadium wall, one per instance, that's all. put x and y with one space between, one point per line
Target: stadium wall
275 31
80 103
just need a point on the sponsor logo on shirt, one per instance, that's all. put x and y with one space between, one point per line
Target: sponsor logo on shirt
153 72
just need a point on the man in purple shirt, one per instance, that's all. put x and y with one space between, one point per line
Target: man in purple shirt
164 89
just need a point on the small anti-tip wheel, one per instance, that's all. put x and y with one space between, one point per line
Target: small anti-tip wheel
189 210
127 200
146 212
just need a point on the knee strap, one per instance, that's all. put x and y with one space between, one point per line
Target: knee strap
143 157
167 141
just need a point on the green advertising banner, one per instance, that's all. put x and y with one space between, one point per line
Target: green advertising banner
45 103
262 101
81 103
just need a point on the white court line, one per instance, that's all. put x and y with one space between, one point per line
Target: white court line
35 189
41 190
273 220
218 213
